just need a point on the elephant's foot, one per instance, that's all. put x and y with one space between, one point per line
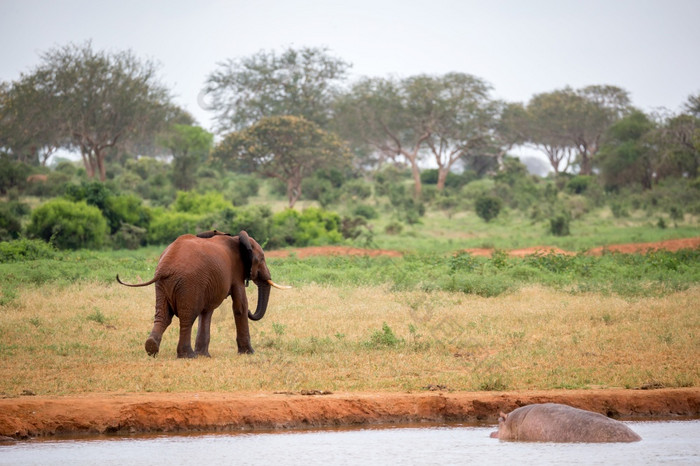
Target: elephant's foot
246 350
203 353
152 346
186 353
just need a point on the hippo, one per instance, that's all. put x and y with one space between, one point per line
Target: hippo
552 422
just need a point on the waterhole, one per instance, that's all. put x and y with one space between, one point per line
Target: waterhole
663 442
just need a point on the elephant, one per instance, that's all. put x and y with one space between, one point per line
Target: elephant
194 275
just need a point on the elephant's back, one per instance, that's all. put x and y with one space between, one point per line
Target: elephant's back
191 262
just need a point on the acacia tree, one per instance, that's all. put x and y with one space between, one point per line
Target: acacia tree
189 145
374 114
299 82
627 154
443 117
546 127
27 130
569 119
288 148
101 100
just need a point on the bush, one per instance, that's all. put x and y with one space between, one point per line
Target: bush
10 219
12 174
311 227
129 209
488 207
68 225
256 220
166 225
559 224
25 250
579 184
366 211
117 209
195 203
129 237
357 189
394 228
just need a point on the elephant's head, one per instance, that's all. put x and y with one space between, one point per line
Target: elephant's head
256 270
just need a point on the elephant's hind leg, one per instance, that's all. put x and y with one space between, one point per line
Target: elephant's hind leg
161 321
184 346
201 345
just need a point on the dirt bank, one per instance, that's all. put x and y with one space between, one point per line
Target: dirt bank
32 416
631 248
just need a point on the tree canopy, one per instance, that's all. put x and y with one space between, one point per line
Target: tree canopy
442 117
90 100
288 148
299 82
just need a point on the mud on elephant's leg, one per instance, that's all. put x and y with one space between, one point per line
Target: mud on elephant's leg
161 321
201 346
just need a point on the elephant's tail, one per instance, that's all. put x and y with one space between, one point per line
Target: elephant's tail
150 282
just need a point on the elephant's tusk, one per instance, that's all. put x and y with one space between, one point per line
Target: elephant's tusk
280 287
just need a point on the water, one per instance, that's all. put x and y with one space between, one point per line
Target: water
674 442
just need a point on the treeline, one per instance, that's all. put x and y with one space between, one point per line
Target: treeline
294 118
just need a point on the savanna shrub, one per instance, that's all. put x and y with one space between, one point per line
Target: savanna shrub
11 214
195 203
488 207
127 209
311 227
394 228
579 184
129 237
366 211
68 225
117 209
559 224
12 174
256 220
357 189
25 249
165 225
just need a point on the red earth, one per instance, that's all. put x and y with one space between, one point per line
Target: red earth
128 413
100 413
631 248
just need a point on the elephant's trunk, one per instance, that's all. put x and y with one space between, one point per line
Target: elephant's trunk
263 297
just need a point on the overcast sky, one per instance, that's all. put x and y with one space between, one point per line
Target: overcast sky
521 47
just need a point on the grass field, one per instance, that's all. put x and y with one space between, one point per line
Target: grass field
88 337
433 317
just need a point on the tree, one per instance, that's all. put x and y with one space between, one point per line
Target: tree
679 140
190 146
444 117
511 128
27 128
627 155
101 100
288 148
575 119
547 124
296 82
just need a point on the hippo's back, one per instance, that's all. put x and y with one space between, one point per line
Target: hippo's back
551 422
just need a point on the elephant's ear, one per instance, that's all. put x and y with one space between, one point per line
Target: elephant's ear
246 253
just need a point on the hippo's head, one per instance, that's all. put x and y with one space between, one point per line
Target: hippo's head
503 431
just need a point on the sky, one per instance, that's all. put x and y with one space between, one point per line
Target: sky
520 47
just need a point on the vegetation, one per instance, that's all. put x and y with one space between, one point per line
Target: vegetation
350 161
334 338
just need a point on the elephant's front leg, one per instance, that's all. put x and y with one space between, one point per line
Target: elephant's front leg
201 346
240 314
184 345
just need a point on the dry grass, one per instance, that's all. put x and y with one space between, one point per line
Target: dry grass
89 338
